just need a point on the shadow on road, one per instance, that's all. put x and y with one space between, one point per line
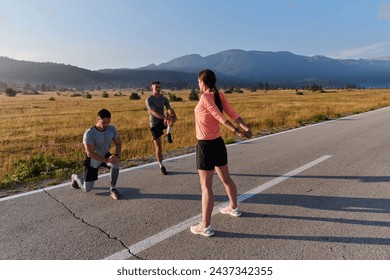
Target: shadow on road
135 193
330 203
364 179
318 219
332 239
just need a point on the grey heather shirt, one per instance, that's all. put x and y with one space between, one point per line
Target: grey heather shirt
157 104
101 140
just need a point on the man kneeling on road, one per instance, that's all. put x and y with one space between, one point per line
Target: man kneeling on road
97 142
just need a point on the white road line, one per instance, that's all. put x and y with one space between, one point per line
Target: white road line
161 236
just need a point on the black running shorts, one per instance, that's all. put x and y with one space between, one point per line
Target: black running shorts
211 153
90 173
157 130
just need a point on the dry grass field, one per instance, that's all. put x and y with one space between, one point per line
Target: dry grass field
52 124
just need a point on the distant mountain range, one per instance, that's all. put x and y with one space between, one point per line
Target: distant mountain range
233 68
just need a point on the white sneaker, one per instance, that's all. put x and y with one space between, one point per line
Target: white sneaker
232 212
74 183
199 229
115 194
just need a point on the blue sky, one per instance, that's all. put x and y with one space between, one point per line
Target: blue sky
97 34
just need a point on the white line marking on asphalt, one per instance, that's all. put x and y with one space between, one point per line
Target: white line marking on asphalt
163 235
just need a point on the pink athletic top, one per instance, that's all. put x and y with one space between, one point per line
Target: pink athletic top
208 116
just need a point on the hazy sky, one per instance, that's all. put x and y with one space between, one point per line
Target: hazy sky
97 34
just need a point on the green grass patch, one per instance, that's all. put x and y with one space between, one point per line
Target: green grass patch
38 168
319 118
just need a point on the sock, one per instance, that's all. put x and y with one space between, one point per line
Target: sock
114 174
160 163
169 129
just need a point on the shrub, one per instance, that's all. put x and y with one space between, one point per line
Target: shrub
6 181
193 95
134 96
314 87
173 97
105 94
76 94
10 92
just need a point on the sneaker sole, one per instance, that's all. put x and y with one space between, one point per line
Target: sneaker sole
236 215
201 233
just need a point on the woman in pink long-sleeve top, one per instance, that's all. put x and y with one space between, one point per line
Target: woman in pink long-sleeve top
211 151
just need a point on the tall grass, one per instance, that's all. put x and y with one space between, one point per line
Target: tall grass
53 124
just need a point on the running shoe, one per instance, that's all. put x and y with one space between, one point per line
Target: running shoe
168 137
199 229
115 194
232 212
163 170
74 183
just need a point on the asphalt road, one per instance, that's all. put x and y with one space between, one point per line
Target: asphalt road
317 192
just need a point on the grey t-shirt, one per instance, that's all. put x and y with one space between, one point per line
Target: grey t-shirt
101 140
157 104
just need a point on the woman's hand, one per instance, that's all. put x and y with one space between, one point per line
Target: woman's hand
248 134
243 134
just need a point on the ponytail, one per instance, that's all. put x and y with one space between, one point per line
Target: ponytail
209 79
217 100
